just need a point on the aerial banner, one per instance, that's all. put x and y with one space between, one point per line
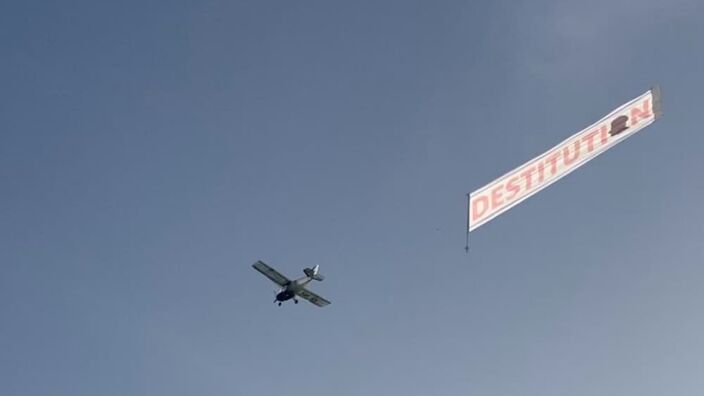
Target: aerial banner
515 186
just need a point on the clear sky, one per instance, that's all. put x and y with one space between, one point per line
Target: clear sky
151 151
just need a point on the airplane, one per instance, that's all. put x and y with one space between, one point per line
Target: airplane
290 289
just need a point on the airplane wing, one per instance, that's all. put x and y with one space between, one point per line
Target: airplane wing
271 273
312 297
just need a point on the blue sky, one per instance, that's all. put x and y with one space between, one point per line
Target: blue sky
150 152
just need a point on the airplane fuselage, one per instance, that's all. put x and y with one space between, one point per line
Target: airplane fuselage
285 295
291 289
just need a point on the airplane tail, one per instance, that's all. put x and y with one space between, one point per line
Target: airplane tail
314 273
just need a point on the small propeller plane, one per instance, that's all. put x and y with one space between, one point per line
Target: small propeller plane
290 289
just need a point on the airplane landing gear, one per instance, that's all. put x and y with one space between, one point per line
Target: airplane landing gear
295 301
279 303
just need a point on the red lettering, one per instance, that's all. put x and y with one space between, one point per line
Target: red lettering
604 135
496 196
513 188
589 138
637 114
480 205
552 160
527 174
541 172
566 157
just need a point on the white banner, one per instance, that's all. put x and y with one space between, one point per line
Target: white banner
512 188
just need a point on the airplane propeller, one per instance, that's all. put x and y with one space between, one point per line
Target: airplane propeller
276 295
